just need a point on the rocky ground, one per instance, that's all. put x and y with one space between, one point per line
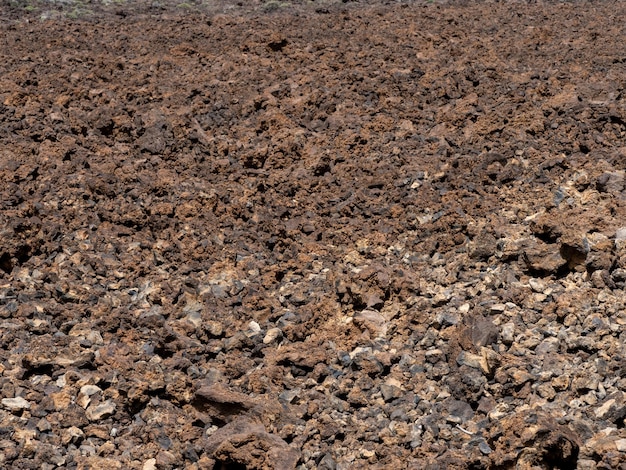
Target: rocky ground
317 235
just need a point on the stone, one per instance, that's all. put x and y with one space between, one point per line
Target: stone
72 435
97 463
507 333
44 425
484 448
222 403
611 182
537 285
535 434
471 360
166 460
248 444
459 409
519 376
583 383
546 391
486 361
103 410
253 329
543 258
390 392
149 464
272 335
15 404
373 321
483 246
620 444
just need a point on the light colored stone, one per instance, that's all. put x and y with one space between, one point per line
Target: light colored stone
373 321
469 359
15 404
508 333
100 411
272 335
72 434
621 445
537 285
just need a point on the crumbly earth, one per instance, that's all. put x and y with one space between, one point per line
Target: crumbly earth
316 235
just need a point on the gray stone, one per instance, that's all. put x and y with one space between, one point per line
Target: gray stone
484 448
272 335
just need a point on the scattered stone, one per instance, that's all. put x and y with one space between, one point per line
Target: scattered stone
149 464
221 403
246 443
484 448
272 335
544 259
15 404
373 321
333 268
508 333
100 411
621 445
391 391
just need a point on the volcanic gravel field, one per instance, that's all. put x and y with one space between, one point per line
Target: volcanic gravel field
313 235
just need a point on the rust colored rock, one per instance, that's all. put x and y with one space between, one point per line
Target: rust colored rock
221 403
246 443
532 439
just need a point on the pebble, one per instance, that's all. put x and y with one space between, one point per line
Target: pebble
253 329
537 285
390 392
272 335
484 448
100 411
149 464
621 445
481 335
15 404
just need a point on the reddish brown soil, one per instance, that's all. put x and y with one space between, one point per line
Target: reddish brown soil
330 236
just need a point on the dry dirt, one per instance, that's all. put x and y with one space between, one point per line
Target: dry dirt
318 235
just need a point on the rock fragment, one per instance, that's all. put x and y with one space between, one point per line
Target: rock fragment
15 404
96 412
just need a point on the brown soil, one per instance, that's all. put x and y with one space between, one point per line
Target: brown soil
326 235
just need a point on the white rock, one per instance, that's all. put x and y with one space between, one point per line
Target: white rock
537 285
16 404
508 333
621 445
149 464
101 411
253 329
271 335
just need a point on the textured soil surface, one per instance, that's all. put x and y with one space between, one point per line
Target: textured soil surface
316 235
